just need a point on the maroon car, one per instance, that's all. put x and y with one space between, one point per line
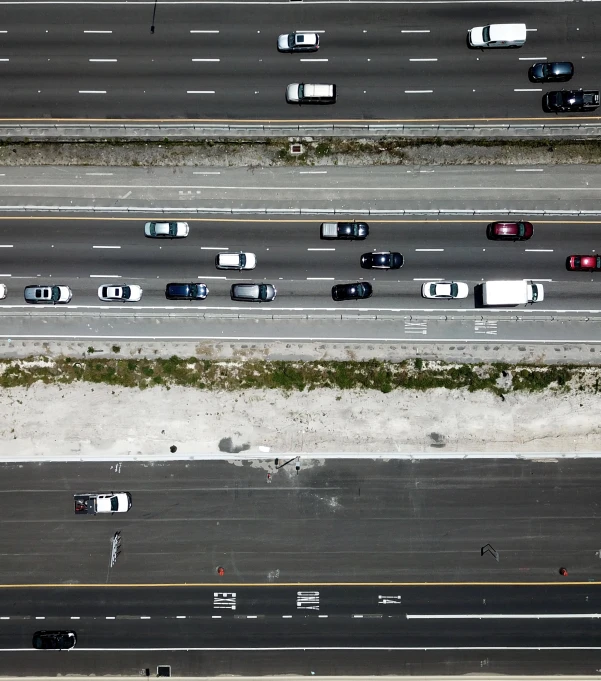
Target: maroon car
509 231
582 263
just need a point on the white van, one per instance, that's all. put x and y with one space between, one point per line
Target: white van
310 93
497 35
235 261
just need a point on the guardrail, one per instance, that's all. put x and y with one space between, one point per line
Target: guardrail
182 130
373 212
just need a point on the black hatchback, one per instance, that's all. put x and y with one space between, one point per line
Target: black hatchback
54 640
551 72
186 291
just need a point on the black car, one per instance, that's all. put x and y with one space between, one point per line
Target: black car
571 100
54 640
383 260
356 291
186 291
551 72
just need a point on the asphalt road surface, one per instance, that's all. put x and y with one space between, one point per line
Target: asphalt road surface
219 61
336 521
289 550
86 253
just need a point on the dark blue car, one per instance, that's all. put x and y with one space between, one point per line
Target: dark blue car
186 291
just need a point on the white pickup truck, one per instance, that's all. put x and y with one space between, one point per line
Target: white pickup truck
108 502
518 292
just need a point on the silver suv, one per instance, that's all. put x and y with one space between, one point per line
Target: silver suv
253 293
47 294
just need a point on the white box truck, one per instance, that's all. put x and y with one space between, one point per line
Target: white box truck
519 292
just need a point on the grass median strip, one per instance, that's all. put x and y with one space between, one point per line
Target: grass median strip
203 374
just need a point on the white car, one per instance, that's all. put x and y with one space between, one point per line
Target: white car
119 502
3 291
235 261
445 289
166 230
298 42
132 293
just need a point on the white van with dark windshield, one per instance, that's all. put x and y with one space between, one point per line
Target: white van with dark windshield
310 93
497 35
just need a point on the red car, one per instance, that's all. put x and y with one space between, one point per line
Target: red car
509 231
582 263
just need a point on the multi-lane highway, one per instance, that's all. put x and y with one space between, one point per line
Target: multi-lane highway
332 570
402 61
85 253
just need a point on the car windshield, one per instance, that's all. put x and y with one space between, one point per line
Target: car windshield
263 291
521 229
56 293
242 262
291 39
194 290
454 290
545 69
486 34
301 91
534 293
126 292
114 504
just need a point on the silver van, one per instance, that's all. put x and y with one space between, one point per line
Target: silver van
253 293
235 261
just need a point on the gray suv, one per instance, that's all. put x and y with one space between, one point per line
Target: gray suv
253 293
47 294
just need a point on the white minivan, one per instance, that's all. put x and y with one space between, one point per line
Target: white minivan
235 261
311 93
497 35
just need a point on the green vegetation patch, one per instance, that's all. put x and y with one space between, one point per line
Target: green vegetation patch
206 374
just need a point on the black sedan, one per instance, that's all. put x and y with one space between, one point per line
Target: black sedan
186 291
54 640
383 260
356 291
551 72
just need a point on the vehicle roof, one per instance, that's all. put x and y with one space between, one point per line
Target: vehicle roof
507 32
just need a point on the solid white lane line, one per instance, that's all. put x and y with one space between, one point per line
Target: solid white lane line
424 30
313 60
320 278
214 248
204 31
434 250
529 170
321 249
200 92
532 58
105 276
106 246
206 60
206 172
432 59
102 60
313 172
538 250
417 92
92 92
97 31
529 616
102 174
224 278
527 89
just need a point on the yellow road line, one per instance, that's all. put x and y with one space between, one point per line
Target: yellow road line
239 585
314 221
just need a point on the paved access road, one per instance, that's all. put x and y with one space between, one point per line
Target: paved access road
219 61
336 521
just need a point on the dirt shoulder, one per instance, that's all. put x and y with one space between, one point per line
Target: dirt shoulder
275 152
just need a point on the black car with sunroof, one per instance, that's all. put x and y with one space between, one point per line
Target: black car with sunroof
54 640
551 72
